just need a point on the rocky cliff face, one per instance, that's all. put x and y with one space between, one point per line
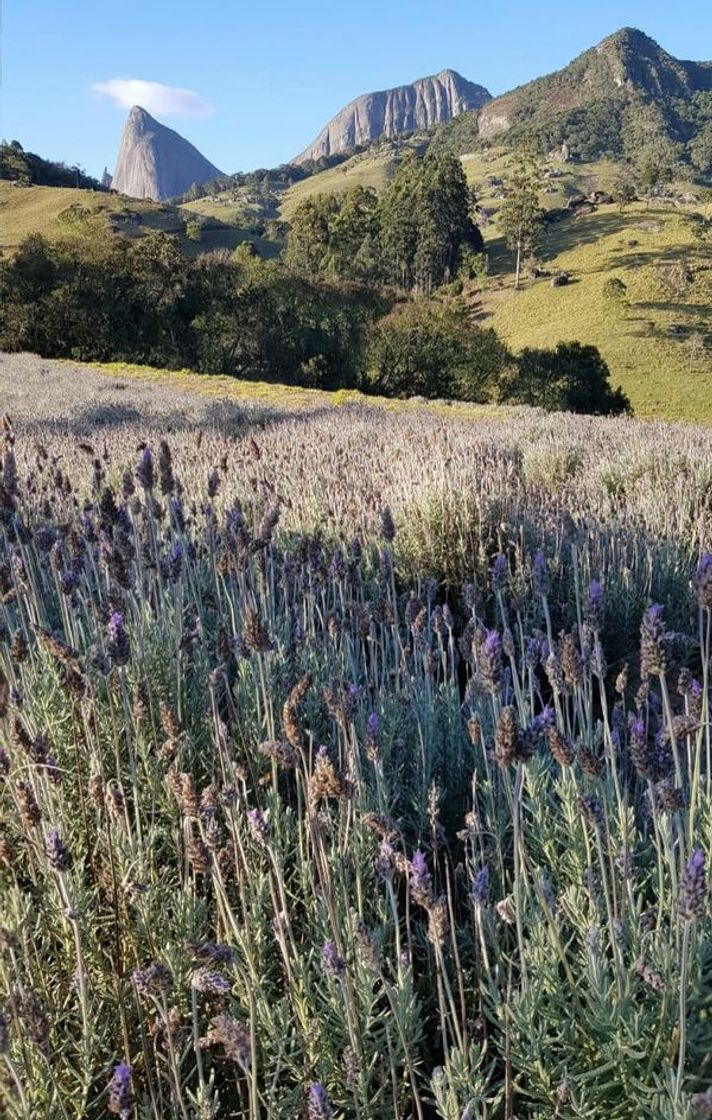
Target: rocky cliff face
424 103
155 162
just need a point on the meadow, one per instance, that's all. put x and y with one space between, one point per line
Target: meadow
356 761
60 212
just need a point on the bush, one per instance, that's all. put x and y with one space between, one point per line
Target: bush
432 350
194 231
614 290
112 299
572 377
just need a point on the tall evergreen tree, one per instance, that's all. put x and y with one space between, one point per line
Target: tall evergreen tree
521 216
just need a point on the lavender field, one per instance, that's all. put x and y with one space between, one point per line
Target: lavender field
355 763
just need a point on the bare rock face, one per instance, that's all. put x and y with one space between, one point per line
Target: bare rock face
424 103
156 162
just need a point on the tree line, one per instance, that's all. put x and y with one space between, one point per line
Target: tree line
26 168
414 236
109 298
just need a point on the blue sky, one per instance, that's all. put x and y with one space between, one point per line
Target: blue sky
260 79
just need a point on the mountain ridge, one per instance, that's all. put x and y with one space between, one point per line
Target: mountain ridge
624 65
414 106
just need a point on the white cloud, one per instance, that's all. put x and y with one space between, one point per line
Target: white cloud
164 101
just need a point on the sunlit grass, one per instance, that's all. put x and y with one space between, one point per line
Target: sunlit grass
637 339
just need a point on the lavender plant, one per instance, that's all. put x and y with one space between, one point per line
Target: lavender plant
306 820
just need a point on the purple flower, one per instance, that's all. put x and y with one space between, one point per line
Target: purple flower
211 952
210 983
318 1102
155 979
541 723
702 581
693 888
500 572
594 607
176 561
118 639
332 962
481 885
490 662
144 471
213 483
120 1095
652 633
260 827
59 856
386 562
372 726
541 583
421 885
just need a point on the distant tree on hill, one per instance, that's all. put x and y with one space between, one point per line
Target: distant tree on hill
521 216
413 237
572 377
701 149
353 236
426 348
20 166
624 189
654 170
426 222
310 234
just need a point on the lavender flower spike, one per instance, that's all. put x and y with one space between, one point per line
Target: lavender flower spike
210 983
541 582
59 856
421 886
332 962
480 886
119 648
318 1102
594 605
694 888
120 1095
702 581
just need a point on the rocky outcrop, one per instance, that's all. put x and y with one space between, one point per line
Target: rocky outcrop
156 162
424 103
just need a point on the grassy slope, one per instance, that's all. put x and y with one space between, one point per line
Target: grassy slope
54 211
49 210
645 354
644 343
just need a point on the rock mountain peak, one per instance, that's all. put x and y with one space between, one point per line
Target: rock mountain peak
419 105
156 162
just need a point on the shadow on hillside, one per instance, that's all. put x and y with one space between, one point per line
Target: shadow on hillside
638 258
693 310
222 417
571 232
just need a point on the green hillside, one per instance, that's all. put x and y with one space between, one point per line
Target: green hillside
58 211
651 341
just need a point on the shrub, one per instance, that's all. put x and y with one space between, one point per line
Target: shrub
432 350
614 290
194 231
572 377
